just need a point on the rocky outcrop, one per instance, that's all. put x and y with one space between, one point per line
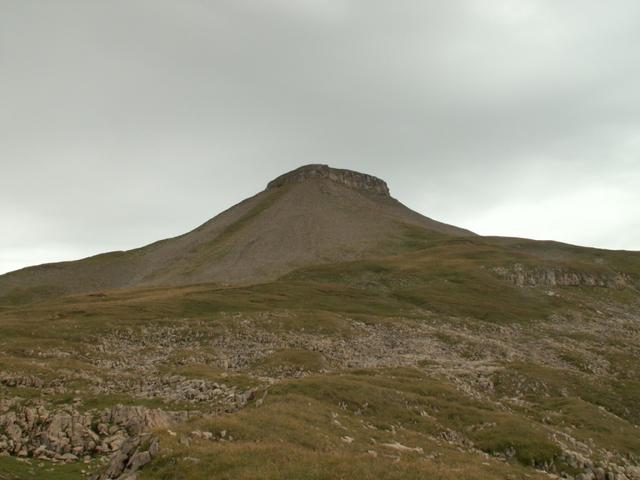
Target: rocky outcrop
66 435
355 180
21 381
522 276
31 381
133 454
137 419
174 388
34 431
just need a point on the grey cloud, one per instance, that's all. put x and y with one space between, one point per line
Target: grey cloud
127 121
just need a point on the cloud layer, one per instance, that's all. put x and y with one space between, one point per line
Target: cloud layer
123 122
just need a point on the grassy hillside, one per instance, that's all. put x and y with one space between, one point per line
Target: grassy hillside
427 362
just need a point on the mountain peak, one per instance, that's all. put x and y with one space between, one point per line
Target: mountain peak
355 180
329 215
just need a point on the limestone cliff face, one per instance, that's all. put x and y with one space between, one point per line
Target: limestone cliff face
355 180
522 276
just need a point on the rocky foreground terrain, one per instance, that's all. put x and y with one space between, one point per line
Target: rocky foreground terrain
435 355
105 393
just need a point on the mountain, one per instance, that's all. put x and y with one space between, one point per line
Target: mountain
312 215
321 330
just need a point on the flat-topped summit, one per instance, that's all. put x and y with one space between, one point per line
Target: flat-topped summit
355 180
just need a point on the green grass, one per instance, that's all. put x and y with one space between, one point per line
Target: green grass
450 278
292 358
557 252
606 410
397 396
298 433
443 275
94 402
211 373
12 469
24 295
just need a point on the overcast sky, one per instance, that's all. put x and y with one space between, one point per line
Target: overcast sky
126 121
